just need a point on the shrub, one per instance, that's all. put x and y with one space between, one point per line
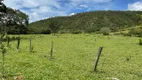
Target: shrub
47 31
76 32
136 31
105 30
126 34
63 31
116 33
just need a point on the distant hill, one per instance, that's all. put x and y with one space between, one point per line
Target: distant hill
88 22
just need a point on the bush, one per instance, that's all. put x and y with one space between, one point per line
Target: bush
47 31
116 33
136 31
63 31
76 32
126 34
105 30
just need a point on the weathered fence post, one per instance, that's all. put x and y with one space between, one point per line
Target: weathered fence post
18 43
140 41
8 41
97 58
30 44
51 52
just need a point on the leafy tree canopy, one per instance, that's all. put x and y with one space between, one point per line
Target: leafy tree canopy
12 21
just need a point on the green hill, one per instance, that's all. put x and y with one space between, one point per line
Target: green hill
89 22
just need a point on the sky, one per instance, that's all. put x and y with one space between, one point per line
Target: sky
43 9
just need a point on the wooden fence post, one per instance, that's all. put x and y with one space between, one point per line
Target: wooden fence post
8 41
51 52
30 44
97 58
18 43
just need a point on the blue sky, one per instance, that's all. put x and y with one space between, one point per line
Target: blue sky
41 9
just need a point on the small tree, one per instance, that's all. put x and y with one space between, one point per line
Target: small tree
9 17
54 26
3 31
3 50
105 30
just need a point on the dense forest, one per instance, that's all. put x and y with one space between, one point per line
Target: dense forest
88 22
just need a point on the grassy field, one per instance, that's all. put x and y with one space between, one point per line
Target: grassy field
73 58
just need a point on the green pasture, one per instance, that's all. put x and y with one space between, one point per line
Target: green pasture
73 58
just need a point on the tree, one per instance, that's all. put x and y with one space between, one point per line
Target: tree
20 22
9 17
3 12
1 0
54 26
105 30
13 21
2 7
2 47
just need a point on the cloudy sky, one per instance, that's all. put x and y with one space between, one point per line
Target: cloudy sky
41 9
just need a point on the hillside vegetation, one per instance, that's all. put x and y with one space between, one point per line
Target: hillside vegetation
89 22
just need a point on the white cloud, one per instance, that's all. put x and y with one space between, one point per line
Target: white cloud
39 9
72 14
84 5
89 1
75 3
34 16
137 6
16 4
42 9
101 1
30 3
